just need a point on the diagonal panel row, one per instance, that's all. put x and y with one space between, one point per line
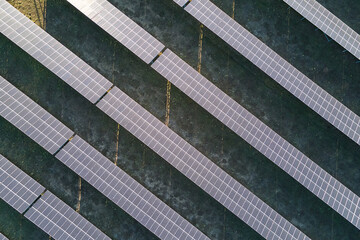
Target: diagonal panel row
32 119
41 46
126 192
60 221
276 67
197 167
49 213
223 188
260 136
16 188
328 23
122 28
111 181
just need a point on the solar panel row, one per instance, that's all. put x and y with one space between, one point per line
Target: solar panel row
264 223
276 67
197 167
31 119
110 180
126 192
48 212
122 28
260 136
60 221
49 52
328 23
2 237
16 188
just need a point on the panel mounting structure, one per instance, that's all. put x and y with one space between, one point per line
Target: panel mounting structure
276 67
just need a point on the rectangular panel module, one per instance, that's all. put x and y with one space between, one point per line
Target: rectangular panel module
60 221
32 119
276 67
197 167
122 28
52 54
328 23
126 192
16 188
260 136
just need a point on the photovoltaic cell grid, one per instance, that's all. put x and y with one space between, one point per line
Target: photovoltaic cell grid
276 67
60 221
194 165
31 119
159 218
53 55
260 136
126 192
16 188
328 23
2 237
181 3
122 28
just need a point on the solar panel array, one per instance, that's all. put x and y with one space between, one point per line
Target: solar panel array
164 148
126 192
2 237
260 136
328 23
276 67
122 28
16 188
198 168
158 218
31 119
273 225
53 55
60 221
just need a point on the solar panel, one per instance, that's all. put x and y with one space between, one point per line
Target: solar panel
197 167
260 136
276 67
31 119
181 3
126 192
16 188
328 23
122 28
49 52
60 221
2 237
